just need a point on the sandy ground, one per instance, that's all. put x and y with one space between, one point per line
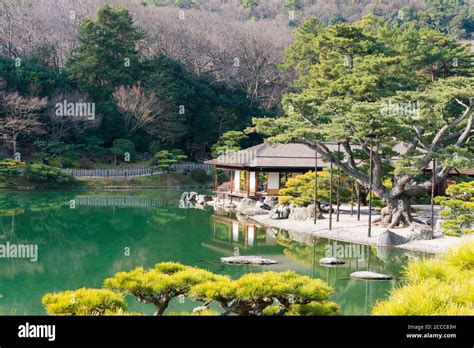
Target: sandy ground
348 229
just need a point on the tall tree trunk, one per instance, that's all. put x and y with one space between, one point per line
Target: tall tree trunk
397 212
398 202
14 146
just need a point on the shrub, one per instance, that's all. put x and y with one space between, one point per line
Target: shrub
458 209
164 159
42 173
84 302
85 163
275 293
266 293
122 146
199 175
161 284
441 286
10 170
300 190
154 146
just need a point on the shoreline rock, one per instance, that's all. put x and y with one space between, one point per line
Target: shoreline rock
388 238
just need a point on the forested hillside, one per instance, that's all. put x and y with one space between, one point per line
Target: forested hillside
194 69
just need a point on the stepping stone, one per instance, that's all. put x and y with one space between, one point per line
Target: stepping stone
331 261
248 260
370 275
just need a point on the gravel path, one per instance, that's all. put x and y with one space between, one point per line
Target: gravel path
348 229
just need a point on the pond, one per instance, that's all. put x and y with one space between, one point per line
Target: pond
83 237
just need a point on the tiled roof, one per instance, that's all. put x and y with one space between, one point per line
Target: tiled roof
265 155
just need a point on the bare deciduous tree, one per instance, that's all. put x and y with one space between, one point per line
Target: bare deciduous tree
60 127
138 109
21 117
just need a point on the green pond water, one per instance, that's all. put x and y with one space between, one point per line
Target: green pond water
84 237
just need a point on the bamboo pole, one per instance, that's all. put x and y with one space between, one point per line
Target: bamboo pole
330 195
369 228
352 198
338 190
315 186
358 202
433 180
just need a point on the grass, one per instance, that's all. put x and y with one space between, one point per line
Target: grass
438 286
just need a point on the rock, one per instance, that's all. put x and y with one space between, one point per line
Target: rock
187 197
281 212
229 205
248 260
203 199
271 201
370 275
325 208
192 196
389 238
331 261
419 232
252 207
261 205
301 213
184 196
252 212
246 204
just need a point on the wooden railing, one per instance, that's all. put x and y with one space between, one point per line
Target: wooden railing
134 172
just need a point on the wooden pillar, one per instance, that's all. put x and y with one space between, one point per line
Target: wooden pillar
215 178
247 182
352 198
257 174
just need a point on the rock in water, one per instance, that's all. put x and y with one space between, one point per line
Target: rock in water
248 260
184 196
389 238
370 275
203 199
331 261
192 196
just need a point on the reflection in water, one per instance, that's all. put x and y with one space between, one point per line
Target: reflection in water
355 296
80 245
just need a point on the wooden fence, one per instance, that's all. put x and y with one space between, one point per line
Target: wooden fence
133 172
117 201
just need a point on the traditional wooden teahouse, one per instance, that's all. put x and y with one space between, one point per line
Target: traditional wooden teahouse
249 167
263 169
